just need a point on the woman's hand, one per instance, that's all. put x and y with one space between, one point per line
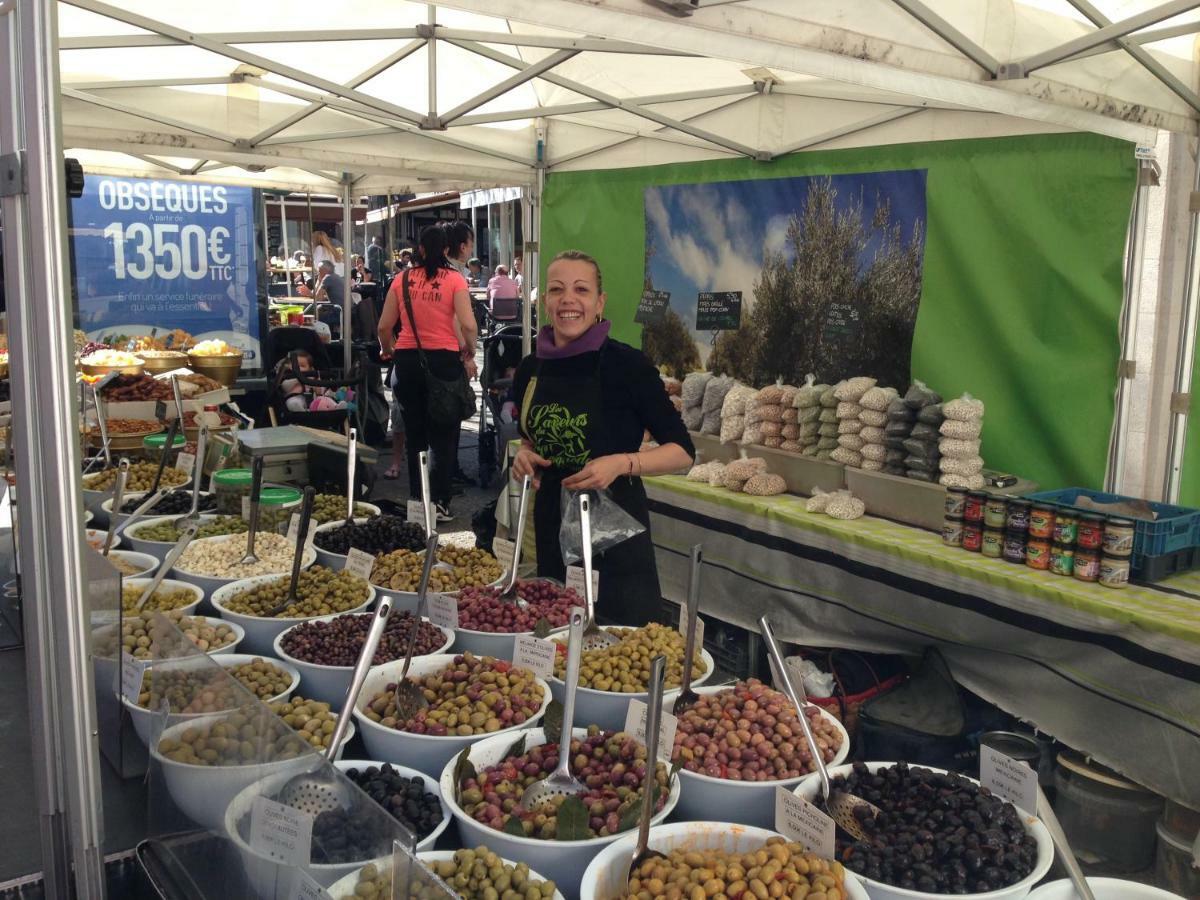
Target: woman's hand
472 367
527 462
599 473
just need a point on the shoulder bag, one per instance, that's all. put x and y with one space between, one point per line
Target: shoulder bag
447 402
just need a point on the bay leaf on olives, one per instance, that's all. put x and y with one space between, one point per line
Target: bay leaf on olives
514 826
552 722
542 628
572 820
517 748
632 816
464 769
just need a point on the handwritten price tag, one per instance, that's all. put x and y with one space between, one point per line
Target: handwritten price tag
416 512
799 820
534 654
575 580
1008 778
443 611
280 832
504 551
185 462
635 724
360 563
307 888
132 672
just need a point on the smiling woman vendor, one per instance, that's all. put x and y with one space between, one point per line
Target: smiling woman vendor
586 401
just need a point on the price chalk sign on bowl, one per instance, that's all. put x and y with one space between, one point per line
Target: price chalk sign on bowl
307 888
1009 778
443 611
280 832
575 580
719 311
132 673
534 654
800 821
635 724
360 563
415 512
652 308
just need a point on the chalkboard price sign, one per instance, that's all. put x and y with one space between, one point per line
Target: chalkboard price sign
652 308
719 311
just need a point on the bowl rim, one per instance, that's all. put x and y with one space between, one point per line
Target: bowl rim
220 596
194 589
539 733
132 533
322 667
225 661
442 660
1156 893
89 533
1033 827
227 581
216 717
125 554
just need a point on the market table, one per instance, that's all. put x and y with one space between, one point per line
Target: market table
1114 673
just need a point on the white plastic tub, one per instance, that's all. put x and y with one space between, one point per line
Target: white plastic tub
1104 889
605 875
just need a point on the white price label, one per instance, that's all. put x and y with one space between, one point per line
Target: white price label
132 672
360 563
307 887
699 628
504 550
246 508
635 724
800 821
1011 779
185 462
443 611
534 654
280 832
416 512
575 580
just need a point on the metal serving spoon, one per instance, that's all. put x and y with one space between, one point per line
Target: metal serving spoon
642 852
410 699
847 810
173 557
1063 847
351 462
256 477
118 498
172 430
306 509
593 637
193 514
560 782
687 697
509 594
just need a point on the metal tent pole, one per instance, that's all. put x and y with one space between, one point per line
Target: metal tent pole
1181 397
287 253
347 302
33 204
531 232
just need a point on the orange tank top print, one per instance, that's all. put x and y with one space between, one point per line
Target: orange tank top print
433 306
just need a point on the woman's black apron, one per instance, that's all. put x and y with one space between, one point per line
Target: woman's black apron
563 415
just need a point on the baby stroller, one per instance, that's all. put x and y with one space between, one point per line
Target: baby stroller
501 355
290 381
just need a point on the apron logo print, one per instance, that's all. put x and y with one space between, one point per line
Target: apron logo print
560 436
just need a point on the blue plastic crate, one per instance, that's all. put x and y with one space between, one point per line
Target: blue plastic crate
1175 528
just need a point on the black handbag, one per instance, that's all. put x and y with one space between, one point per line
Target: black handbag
447 402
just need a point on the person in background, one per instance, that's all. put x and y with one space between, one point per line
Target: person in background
518 263
406 256
585 403
331 289
324 251
375 259
358 269
506 290
445 324
477 275
460 244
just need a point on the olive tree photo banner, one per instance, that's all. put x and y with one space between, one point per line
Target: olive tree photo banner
997 264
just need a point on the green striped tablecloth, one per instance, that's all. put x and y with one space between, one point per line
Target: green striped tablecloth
1115 673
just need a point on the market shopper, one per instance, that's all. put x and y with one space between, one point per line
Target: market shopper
323 250
375 259
439 299
586 402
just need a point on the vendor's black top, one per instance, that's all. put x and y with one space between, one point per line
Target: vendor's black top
598 403
634 399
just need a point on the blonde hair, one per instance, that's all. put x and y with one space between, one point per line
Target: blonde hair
321 239
580 256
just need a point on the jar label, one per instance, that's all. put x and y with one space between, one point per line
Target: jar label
504 550
185 462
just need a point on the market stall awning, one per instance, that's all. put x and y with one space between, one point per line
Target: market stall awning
479 93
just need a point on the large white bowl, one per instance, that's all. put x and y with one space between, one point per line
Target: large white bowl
708 799
1104 889
211 584
172 585
335 561
605 875
425 752
608 708
261 631
330 683
491 643
343 888
267 877
94 500
96 536
203 793
810 787
144 718
157 549
561 861
145 562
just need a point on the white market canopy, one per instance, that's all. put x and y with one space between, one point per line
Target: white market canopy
405 97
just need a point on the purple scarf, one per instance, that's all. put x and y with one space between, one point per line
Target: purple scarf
592 339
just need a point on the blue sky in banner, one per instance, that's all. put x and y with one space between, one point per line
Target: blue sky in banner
712 237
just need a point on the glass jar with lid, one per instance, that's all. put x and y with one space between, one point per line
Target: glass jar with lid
275 508
153 444
230 486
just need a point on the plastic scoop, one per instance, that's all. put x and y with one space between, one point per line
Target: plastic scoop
410 699
306 509
560 782
594 638
687 697
642 852
847 810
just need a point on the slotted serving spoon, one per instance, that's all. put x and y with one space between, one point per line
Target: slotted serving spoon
193 514
560 782
306 509
509 594
118 498
173 557
410 699
847 810
642 852
256 476
594 638
687 697
351 462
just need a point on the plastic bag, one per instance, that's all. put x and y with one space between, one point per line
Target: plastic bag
878 398
853 388
850 426
965 409
818 501
931 415
828 416
791 415
899 411
873 417
714 394
963 431
829 399
693 389
872 434
920 395
692 418
611 525
809 394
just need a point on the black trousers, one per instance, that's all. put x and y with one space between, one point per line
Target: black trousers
420 433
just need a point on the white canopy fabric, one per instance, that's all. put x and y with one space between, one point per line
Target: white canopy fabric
405 97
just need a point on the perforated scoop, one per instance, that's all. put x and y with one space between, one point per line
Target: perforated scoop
847 810
594 638
560 782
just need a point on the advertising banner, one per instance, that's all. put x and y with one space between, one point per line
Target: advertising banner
158 257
